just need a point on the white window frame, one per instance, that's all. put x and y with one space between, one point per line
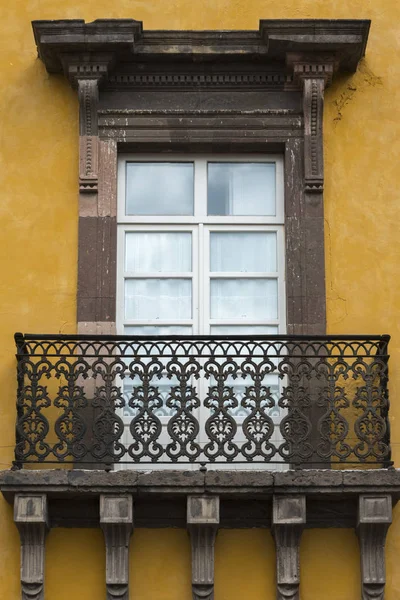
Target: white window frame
200 225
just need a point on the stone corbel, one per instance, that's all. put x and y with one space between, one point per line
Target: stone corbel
86 72
288 520
374 519
88 95
31 519
202 524
313 76
116 521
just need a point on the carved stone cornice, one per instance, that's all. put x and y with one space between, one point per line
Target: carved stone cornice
346 39
116 521
374 519
55 39
202 524
288 520
31 519
90 53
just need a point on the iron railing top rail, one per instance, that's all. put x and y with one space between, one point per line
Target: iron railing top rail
290 337
203 345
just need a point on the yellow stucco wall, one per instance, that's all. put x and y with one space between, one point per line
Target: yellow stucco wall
38 215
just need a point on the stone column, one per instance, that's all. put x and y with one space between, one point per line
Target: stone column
202 524
288 520
374 519
31 519
116 521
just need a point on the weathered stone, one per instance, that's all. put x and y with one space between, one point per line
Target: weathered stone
371 477
308 478
202 524
116 521
239 479
374 519
332 495
102 479
288 520
31 519
171 479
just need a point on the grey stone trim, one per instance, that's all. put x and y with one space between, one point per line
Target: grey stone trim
88 95
314 73
288 520
202 523
96 301
96 328
346 39
313 141
275 38
31 519
116 521
173 482
160 496
107 193
272 80
207 130
374 519
54 39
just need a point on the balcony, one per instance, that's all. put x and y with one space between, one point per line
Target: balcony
280 432
266 403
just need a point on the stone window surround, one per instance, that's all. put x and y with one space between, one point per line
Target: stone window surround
286 63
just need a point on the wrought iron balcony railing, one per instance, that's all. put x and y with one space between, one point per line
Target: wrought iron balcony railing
278 401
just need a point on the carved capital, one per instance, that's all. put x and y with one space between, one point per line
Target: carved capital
116 521
202 524
91 65
374 519
31 519
288 520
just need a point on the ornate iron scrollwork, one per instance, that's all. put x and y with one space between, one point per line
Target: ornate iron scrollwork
202 399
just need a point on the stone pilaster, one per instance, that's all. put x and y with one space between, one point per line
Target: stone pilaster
314 74
116 521
202 524
288 520
374 519
31 519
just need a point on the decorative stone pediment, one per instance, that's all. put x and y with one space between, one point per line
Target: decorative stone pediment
284 57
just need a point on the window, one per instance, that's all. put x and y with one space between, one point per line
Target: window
200 251
200 245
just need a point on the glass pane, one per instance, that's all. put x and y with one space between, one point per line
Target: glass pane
243 251
159 188
241 189
158 330
244 299
158 252
158 299
244 330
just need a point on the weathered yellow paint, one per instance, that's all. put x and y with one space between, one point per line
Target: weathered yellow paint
38 212
244 562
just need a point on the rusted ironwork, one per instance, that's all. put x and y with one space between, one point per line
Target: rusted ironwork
197 399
